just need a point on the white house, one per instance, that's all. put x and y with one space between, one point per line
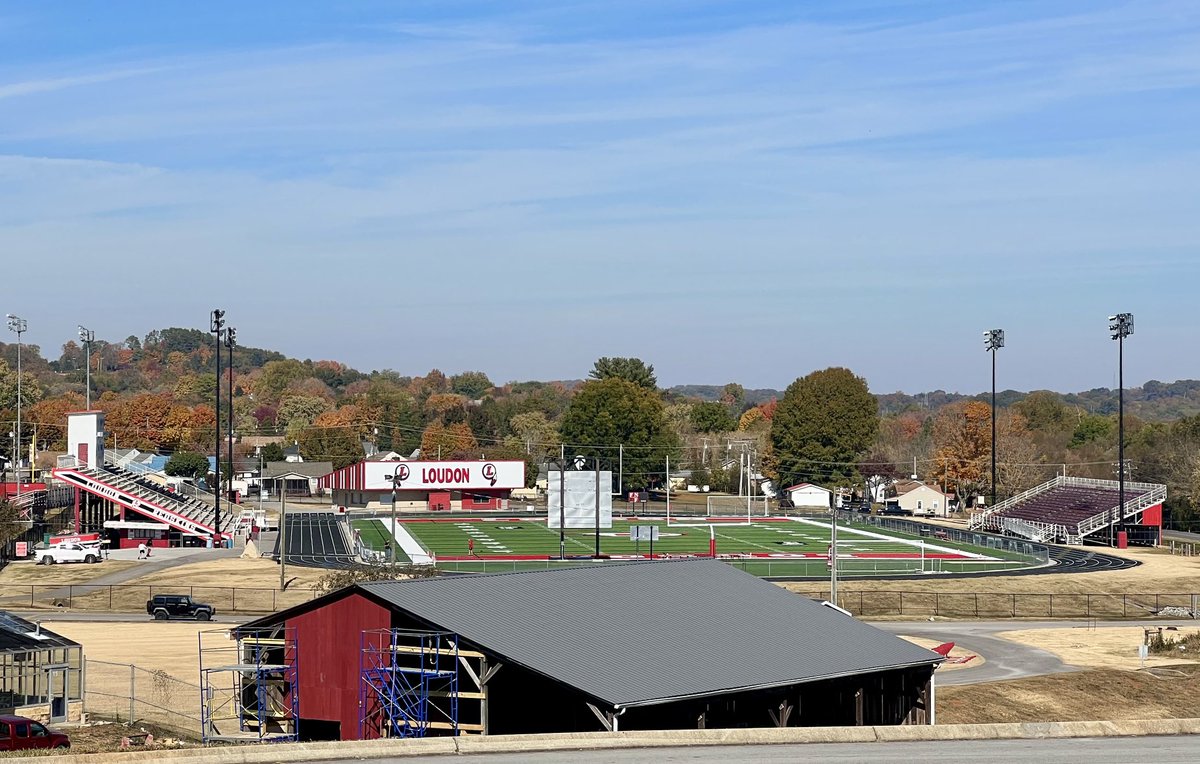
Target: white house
809 496
922 499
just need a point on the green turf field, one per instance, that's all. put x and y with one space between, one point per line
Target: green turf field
771 548
375 537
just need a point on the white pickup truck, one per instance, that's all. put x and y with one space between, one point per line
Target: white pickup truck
68 553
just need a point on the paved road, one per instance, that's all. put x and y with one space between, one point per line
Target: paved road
1003 659
1092 750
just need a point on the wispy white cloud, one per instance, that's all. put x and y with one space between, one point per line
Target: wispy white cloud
698 175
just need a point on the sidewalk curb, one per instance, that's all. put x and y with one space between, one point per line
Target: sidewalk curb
375 749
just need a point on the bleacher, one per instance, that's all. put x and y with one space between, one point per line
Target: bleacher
198 516
1067 509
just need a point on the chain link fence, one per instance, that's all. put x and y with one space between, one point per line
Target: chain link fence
133 597
126 693
1025 605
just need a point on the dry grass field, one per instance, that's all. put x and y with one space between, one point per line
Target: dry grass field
1106 647
1109 694
1160 572
26 573
171 646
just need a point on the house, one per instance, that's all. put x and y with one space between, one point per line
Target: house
560 650
809 496
920 499
297 478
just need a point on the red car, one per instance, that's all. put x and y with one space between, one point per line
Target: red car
18 734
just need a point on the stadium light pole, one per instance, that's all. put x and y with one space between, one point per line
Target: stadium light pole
87 337
993 341
395 486
230 343
18 325
1121 326
217 328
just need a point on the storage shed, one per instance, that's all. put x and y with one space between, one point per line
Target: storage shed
639 645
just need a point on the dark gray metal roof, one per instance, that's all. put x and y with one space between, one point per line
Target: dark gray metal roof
19 635
640 633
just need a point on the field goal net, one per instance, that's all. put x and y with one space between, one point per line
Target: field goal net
719 510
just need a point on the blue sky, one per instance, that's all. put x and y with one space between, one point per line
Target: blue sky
729 190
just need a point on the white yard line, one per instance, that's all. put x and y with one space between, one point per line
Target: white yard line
871 534
408 543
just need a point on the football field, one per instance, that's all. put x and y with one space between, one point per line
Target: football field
768 546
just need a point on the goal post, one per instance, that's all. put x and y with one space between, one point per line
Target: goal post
730 510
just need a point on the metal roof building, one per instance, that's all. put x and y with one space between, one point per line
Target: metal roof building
639 645
41 673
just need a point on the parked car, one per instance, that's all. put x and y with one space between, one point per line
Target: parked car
166 606
896 509
88 553
18 733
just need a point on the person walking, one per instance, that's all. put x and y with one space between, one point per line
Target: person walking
142 551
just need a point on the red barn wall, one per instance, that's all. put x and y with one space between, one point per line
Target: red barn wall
328 642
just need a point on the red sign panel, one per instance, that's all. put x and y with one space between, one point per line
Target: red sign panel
78 538
22 549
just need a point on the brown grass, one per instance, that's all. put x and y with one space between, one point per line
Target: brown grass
1160 572
27 573
1094 694
1108 647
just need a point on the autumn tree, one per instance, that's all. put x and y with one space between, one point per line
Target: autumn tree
50 415
455 441
299 411
535 433
611 411
822 426
733 394
962 433
332 437
633 370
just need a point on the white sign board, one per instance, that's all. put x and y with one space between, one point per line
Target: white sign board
580 505
443 476
643 533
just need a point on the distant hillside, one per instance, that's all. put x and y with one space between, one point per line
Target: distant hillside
1155 401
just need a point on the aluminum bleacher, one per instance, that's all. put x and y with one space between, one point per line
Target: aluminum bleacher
1068 509
188 514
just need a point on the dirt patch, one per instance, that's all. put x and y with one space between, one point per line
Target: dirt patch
26 572
1094 694
171 647
233 585
1109 647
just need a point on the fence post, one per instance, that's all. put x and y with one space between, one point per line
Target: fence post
31 595
273 593
132 691
234 606
110 596
1089 605
1124 605
1051 605
71 596
901 604
936 609
860 604
976 604
1014 605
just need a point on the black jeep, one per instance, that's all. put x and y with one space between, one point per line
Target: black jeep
165 606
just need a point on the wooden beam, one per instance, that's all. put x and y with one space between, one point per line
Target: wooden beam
466 695
471 673
603 717
439 651
491 672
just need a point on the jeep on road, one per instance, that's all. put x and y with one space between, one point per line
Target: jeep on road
166 606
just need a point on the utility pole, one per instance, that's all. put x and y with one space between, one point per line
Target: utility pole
833 562
598 505
230 342
282 533
562 511
20 326
621 470
394 541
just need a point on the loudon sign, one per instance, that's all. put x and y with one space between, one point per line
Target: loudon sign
444 476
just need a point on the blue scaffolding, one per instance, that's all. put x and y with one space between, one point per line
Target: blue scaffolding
249 685
408 683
